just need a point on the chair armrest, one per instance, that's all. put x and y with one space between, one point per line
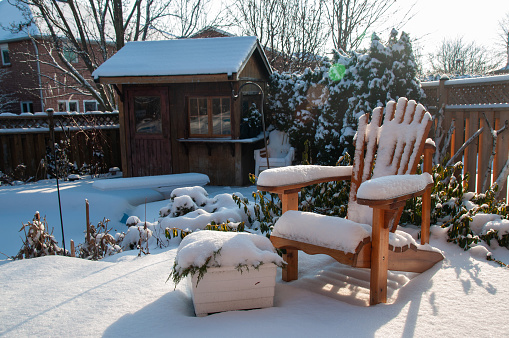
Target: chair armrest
390 192
293 178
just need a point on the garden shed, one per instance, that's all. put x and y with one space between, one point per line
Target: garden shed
180 106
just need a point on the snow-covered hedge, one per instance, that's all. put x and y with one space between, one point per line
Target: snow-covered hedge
323 107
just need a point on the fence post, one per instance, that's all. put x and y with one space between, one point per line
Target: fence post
442 92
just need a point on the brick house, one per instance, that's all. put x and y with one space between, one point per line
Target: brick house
30 78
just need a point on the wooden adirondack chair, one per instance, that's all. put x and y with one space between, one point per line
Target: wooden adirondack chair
382 179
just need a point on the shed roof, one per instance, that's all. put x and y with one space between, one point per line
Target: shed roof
210 56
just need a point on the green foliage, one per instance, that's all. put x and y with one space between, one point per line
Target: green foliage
178 275
226 227
449 200
266 210
329 198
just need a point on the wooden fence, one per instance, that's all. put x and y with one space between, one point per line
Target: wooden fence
25 138
471 104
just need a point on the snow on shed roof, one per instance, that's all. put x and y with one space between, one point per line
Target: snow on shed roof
180 57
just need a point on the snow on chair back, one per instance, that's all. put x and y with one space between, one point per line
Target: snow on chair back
391 148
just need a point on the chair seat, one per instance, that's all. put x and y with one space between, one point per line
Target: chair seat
335 233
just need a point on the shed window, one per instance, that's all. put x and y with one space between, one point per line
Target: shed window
210 116
147 114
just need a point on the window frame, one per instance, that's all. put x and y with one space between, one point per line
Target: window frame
67 103
90 101
30 105
5 48
210 133
70 54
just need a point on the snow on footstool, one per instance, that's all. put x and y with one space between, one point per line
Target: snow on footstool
228 270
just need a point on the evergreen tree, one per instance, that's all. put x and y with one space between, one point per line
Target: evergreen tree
322 106
330 121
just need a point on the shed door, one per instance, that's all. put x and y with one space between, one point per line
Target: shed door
149 131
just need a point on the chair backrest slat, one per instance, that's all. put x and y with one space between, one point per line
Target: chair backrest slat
391 148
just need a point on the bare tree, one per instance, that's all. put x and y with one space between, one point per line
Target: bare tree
504 37
6 99
93 30
457 57
349 20
291 31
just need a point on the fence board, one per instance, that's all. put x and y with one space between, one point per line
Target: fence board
502 147
484 144
23 139
470 154
459 133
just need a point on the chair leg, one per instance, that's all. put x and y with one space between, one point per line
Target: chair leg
379 258
291 272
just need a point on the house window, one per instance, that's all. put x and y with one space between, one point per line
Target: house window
70 55
27 107
210 116
68 106
90 105
6 59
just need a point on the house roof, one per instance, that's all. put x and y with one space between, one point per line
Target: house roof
17 18
209 56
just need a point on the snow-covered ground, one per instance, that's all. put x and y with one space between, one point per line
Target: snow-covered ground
127 295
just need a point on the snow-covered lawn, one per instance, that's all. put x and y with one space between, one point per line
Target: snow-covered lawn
127 295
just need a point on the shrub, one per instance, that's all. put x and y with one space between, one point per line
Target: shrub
38 242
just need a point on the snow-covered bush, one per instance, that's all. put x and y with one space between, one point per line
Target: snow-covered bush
137 237
191 208
101 243
38 242
16 177
323 110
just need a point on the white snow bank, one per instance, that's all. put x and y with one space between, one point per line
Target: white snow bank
300 174
162 183
388 187
227 249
